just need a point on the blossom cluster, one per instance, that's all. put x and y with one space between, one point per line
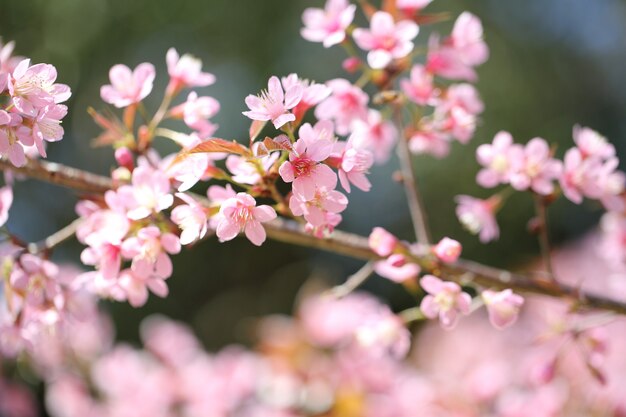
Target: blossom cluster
30 111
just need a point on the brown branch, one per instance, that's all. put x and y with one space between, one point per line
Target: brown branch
356 246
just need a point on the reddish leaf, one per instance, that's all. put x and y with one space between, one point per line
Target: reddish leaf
219 145
255 129
280 143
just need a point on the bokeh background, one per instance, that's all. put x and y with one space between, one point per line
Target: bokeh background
553 64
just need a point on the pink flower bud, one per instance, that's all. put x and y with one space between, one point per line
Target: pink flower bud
382 242
447 250
503 307
351 64
124 158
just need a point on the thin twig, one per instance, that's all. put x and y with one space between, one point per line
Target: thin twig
413 195
544 239
354 281
55 239
355 246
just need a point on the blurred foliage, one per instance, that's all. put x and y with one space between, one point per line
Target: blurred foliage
553 64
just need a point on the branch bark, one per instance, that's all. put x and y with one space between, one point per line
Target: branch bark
355 246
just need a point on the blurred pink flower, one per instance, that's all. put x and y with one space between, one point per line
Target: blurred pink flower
328 25
185 71
447 250
478 216
128 87
503 307
445 300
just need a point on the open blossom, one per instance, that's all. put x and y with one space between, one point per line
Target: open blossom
411 6
459 53
478 216
312 93
447 250
386 40
14 137
241 213
419 88
328 25
191 218
135 287
47 126
128 87
354 166
535 168
430 142
591 143
304 168
246 171
197 111
148 193
33 87
314 210
445 300
376 134
503 307
274 103
346 104
185 71
148 251
496 159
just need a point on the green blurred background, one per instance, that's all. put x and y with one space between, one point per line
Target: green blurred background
553 64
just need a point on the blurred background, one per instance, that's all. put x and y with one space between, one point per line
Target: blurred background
553 65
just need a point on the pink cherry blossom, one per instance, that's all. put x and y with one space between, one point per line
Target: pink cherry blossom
579 175
149 251
496 158
346 104
136 287
447 250
375 134
429 142
197 111
274 103
240 213
148 193
328 25
461 52
535 168
478 216
128 87
6 200
312 93
34 87
185 71
8 62
419 88
314 210
397 268
331 220
246 171
191 218
47 126
503 307
14 137
304 168
445 300
591 143
386 40
382 242
354 166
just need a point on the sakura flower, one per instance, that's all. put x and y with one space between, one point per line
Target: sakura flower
478 216
591 143
447 250
346 104
8 62
136 287
536 169
196 112
47 126
329 25
331 220
461 52
429 142
274 103
375 134
247 172
312 93
579 175
503 307
6 200
36 279
419 88
304 168
382 242
148 193
314 210
34 87
384 333
445 300
185 71
386 40
148 251
241 213
191 218
354 165
397 268
128 87
496 159
14 137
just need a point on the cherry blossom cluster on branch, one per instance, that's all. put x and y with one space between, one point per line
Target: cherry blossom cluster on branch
310 145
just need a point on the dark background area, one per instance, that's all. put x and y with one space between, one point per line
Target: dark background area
553 64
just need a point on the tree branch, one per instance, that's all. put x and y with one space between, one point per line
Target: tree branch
355 246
